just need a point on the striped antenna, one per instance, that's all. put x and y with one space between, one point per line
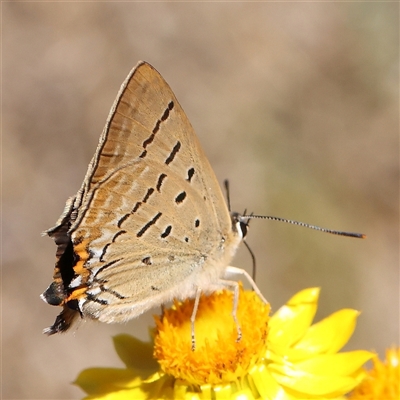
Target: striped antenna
317 228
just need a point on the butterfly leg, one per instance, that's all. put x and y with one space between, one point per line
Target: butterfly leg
234 286
193 316
238 271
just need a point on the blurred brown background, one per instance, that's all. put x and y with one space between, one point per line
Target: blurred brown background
296 103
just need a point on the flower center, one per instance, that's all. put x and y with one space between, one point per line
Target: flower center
218 358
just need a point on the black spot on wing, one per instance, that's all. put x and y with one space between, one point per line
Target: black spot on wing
173 153
143 154
122 220
118 234
160 181
105 266
166 232
190 174
147 261
150 191
90 297
166 112
105 248
149 224
103 253
113 292
156 128
146 197
137 205
180 197
152 136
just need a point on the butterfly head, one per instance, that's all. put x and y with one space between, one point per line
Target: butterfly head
240 224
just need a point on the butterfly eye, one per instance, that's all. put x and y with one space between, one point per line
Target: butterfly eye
239 224
243 228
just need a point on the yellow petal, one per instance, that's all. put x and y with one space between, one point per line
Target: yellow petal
205 392
134 353
162 388
309 295
330 334
223 392
289 353
120 395
103 380
267 386
180 392
311 384
291 321
190 396
243 395
340 364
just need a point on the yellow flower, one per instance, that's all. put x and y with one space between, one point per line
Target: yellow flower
383 379
218 358
283 357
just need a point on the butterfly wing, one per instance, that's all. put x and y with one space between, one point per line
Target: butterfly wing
150 222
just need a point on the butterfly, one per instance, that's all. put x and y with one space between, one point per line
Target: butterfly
150 222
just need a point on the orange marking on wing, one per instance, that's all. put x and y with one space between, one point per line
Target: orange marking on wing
81 251
76 294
